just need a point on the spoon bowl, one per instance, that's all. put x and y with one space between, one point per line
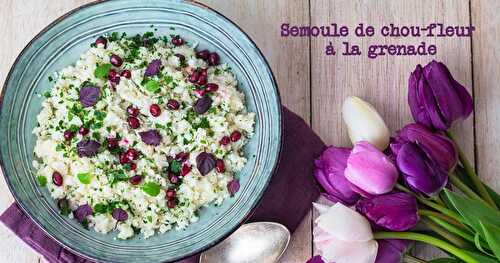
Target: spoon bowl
263 242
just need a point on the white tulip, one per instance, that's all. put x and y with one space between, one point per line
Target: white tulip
364 123
344 236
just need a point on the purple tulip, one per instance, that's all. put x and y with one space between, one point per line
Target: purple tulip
316 259
393 211
424 158
369 170
436 99
329 173
391 250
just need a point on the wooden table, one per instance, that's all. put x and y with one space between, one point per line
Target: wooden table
314 85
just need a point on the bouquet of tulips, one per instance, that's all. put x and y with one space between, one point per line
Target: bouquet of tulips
385 186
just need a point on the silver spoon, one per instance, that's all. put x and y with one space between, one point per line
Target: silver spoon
262 242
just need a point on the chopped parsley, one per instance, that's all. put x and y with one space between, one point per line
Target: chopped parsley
42 180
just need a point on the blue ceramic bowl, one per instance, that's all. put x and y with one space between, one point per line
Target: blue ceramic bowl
59 45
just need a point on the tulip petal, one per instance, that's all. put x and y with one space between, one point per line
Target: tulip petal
364 123
417 107
370 170
437 147
391 250
316 259
321 208
393 211
431 106
340 251
419 172
344 223
329 173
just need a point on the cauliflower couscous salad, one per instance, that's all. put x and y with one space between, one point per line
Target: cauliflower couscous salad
140 133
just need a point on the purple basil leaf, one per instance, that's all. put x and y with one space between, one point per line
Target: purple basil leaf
151 137
233 186
82 212
205 162
153 68
89 96
119 214
87 148
202 105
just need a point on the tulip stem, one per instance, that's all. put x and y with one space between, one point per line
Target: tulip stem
455 230
428 203
454 239
459 253
471 173
425 212
410 259
463 187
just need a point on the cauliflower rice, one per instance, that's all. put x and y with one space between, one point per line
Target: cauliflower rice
113 160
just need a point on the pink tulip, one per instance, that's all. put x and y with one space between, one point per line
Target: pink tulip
370 171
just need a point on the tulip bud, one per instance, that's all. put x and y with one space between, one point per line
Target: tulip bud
424 158
364 123
436 99
344 236
329 173
369 170
391 250
393 211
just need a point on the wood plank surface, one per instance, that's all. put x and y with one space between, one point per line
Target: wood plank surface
486 63
381 81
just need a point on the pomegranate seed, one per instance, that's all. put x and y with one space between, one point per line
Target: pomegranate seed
135 180
155 110
132 111
211 87
181 57
132 154
203 72
185 169
83 131
225 140
68 135
200 92
115 60
171 203
173 178
213 59
133 166
133 122
170 194
202 80
126 74
203 54
219 166
57 178
124 158
112 143
113 76
193 78
177 41
173 104
182 156
101 41
235 136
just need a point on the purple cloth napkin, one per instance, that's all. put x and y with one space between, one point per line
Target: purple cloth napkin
287 199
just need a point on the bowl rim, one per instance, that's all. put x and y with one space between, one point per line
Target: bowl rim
190 2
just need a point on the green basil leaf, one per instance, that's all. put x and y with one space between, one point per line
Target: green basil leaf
42 180
85 178
151 188
100 208
175 167
492 234
101 72
152 86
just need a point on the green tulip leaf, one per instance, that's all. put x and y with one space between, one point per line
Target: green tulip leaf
474 212
480 258
479 244
445 260
492 234
460 172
